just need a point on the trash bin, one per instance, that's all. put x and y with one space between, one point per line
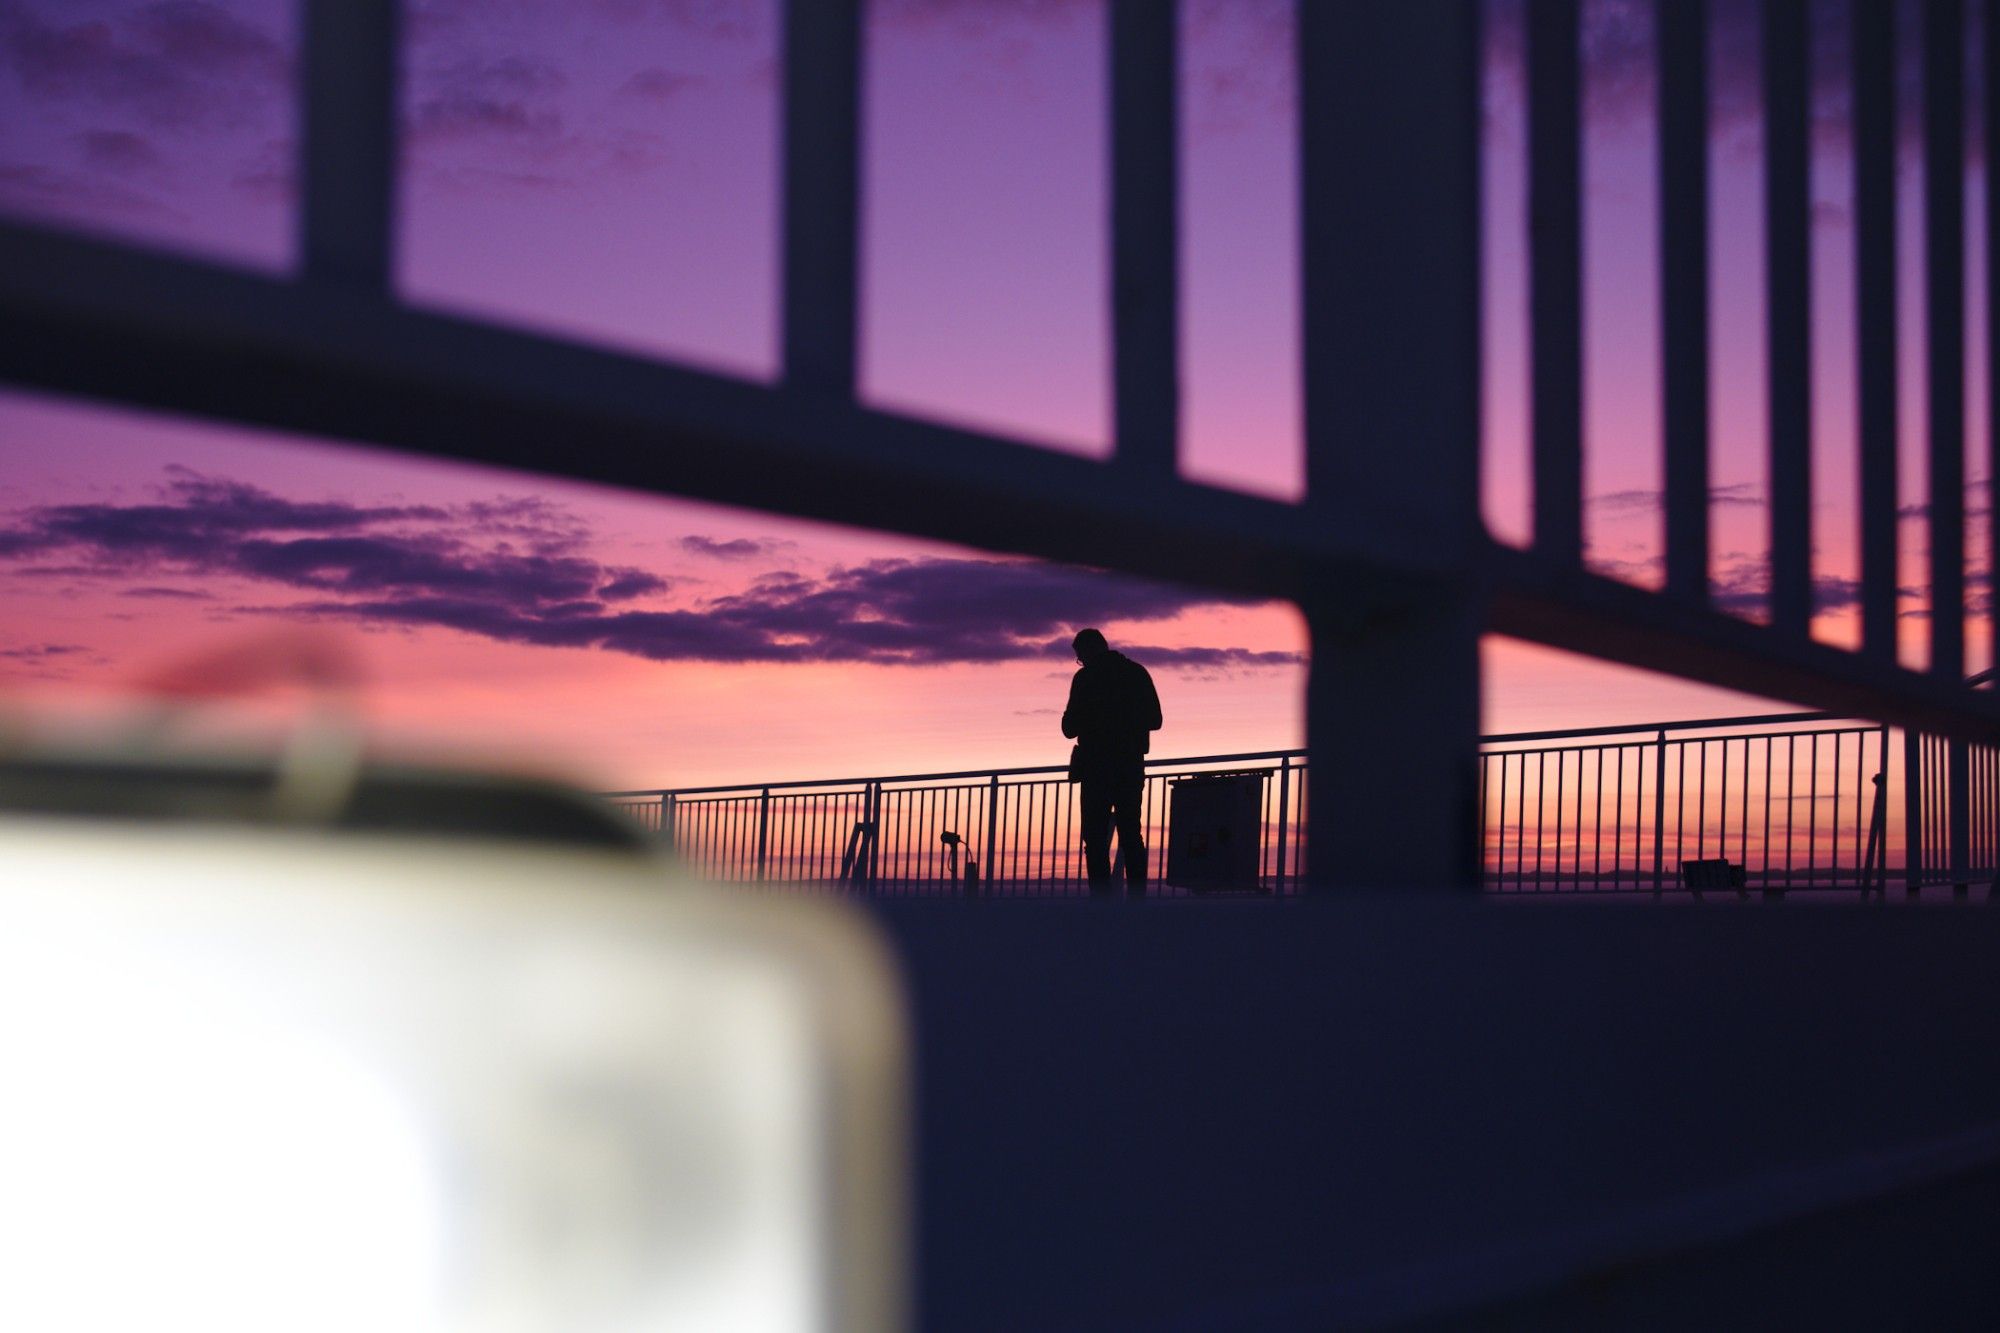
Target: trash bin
1716 874
1215 826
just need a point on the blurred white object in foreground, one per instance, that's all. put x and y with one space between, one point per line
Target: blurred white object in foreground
268 1077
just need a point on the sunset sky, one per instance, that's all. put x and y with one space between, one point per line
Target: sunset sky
607 170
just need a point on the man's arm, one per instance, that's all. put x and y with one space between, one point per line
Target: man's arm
1152 701
1069 717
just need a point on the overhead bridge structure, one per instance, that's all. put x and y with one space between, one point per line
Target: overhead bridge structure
1399 1103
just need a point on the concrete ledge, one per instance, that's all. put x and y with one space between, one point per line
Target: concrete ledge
1389 1109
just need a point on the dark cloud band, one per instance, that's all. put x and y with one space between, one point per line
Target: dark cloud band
519 571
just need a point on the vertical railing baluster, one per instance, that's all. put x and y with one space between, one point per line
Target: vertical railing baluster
1597 825
1618 827
1284 817
1576 856
874 833
1743 832
1541 808
1701 799
1791 800
1836 864
1659 811
1680 802
1722 807
992 848
1788 298
1556 841
1770 745
1812 810
1958 780
1521 824
1913 811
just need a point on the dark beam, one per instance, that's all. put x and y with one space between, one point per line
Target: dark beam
1684 342
1586 613
1788 298
348 112
1944 308
146 330
1555 275
821 194
1145 254
1875 312
1990 148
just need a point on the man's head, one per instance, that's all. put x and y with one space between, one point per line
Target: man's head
1089 645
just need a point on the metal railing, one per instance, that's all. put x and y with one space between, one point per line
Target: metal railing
1953 813
1773 803
1014 830
1769 804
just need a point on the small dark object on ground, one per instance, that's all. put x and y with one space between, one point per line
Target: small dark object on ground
1716 874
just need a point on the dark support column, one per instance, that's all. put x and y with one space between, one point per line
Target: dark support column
1875 315
821 193
1683 41
1145 256
1944 306
1788 280
1391 319
1555 274
348 90
1990 112
1392 708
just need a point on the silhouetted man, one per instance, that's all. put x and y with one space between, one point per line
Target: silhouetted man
1112 708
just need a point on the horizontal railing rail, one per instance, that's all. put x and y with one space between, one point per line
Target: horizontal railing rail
1246 757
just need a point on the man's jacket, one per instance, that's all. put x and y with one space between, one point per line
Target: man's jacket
1112 708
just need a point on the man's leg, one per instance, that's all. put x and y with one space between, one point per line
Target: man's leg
1095 799
1132 831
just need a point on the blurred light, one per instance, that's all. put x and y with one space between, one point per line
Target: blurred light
273 1080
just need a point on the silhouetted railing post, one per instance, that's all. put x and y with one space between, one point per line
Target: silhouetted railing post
1882 814
1871 861
668 833
763 830
1284 819
1913 810
1659 811
992 847
874 849
1958 781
